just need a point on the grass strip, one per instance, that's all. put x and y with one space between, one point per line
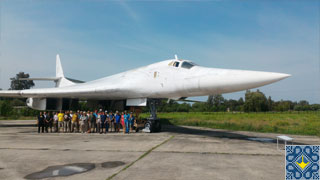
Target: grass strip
142 156
302 123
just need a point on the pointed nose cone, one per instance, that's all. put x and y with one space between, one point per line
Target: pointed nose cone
266 77
224 81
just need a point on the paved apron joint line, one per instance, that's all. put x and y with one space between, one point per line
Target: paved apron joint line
141 157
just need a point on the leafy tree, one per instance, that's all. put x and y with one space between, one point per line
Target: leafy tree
184 107
232 104
199 107
270 103
1 98
255 102
18 102
283 106
216 103
302 106
240 104
315 107
16 84
5 108
210 101
218 100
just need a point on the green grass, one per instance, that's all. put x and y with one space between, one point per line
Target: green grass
304 123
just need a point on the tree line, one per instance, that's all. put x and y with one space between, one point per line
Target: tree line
255 101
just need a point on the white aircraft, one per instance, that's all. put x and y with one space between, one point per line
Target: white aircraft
174 79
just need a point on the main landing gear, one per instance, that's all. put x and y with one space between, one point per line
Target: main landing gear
153 123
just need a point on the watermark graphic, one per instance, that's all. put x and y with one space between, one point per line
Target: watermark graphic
302 162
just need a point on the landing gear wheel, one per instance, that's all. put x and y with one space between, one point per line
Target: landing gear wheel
157 126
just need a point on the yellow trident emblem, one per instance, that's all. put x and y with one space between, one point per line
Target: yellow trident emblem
302 164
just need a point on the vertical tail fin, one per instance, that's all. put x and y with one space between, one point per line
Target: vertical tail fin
59 70
59 74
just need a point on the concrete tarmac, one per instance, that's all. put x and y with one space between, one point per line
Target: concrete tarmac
176 153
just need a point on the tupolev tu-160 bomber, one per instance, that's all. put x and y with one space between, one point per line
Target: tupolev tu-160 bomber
159 90
174 79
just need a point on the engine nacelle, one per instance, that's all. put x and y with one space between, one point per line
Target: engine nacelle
37 103
50 103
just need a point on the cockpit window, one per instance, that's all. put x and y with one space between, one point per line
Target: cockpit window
176 64
187 65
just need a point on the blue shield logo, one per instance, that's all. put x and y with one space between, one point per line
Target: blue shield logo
302 162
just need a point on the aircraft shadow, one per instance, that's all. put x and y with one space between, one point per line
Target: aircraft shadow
167 127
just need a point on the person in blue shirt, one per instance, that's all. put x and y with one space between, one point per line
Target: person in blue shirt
104 122
131 121
118 118
95 113
126 121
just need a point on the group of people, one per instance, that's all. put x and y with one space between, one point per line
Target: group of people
85 122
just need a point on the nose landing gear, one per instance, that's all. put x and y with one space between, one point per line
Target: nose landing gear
153 123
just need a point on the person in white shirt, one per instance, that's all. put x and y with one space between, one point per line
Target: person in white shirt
98 122
55 121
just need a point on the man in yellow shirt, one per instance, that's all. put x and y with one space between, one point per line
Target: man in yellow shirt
60 121
74 121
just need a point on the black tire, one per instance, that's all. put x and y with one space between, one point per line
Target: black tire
157 126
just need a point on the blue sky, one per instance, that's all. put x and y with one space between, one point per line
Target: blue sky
100 38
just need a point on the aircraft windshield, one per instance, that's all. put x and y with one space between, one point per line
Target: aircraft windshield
187 65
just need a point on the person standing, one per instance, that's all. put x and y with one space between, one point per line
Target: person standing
61 121
55 122
84 122
70 121
41 122
78 119
49 121
95 116
126 121
131 121
74 122
66 122
123 123
112 123
111 120
118 118
98 123
92 122
45 121
88 123
104 122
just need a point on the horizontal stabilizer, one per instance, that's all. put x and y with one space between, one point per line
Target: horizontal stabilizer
187 100
39 79
50 79
75 80
184 99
